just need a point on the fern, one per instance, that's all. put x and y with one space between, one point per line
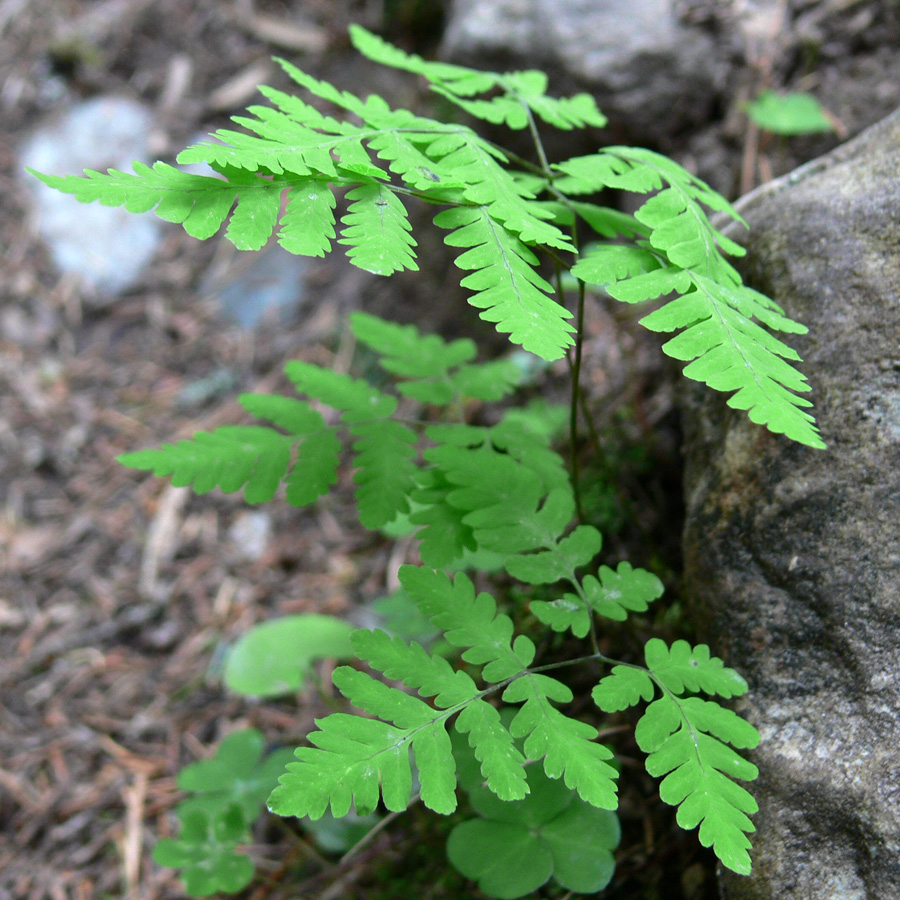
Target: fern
495 214
496 495
355 758
687 741
726 349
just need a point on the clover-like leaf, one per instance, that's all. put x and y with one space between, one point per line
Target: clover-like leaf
205 849
517 846
237 775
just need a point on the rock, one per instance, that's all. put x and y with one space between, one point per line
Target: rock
647 69
250 533
105 247
793 555
259 285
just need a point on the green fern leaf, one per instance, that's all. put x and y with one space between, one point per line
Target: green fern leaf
315 469
574 550
415 724
568 747
567 613
682 668
685 743
619 592
431 676
199 203
489 185
231 457
728 351
352 758
357 400
525 92
465 81
469 621
292 415
304 113
608 222
605 264
386 473
623 687
444 536
686 739
377 231
490 381
307 226
530 87
427 359
507 286
502 765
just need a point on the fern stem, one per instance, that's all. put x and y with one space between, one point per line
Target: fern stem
575 367
374 830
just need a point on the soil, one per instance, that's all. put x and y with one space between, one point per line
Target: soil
119 592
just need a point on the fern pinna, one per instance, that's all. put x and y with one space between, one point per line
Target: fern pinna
468 490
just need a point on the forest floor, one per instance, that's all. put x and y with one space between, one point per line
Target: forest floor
119 593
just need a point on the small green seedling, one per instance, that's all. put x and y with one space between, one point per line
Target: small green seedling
275 658
789 114
205 850
228 792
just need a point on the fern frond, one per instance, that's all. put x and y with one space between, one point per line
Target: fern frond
356 399
427 733
489 185
425 359
384 454
567 746
234 456
525 92
377 230
294 416
530 88
561 558
725 348
200 203
384 449
681 667
620 591
352 760
444 536
307 226
315 469
501 763
523 89
623 687
464 81
687 741
728 351
507 286
431 675
469 621
608 222
604 264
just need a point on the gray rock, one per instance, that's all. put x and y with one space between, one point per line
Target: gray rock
646 68
106 247
793 555
259 286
